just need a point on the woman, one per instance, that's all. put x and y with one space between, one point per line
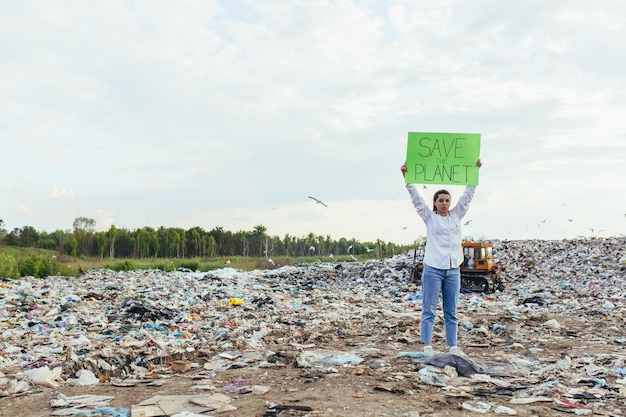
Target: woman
442 257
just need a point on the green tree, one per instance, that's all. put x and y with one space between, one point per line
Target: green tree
13 237
311 245
194 241
112 235
83 230
3 231
242 238
51 241
29 237
101 240
124 244
257 237
73 247
211 246
219 239
164 237
174 249
141 244
153 242
289 243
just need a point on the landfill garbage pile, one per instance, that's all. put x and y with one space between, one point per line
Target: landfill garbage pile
109 325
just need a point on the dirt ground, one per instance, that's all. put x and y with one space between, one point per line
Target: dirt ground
385 384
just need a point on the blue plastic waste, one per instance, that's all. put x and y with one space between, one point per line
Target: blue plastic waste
105 411
416 354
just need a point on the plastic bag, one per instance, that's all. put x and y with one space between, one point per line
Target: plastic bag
44 376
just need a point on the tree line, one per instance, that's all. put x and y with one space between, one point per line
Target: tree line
171 242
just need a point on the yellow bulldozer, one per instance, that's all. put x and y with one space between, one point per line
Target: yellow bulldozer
479 270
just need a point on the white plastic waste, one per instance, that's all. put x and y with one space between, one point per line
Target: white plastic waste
44 376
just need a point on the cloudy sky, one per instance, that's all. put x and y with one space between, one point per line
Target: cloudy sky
231 113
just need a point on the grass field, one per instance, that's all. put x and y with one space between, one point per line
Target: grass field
72 266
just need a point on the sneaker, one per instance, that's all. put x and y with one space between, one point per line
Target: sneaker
455 350
428 351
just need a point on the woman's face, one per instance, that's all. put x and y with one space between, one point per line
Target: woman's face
442 204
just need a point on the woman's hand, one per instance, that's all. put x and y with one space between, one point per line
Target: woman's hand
479 164
403 169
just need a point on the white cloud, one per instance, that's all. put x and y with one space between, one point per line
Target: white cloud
55 192
155 114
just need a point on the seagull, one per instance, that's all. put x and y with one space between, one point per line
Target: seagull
369 250
271 261
467 223
312 249
349 248
318 201
404 227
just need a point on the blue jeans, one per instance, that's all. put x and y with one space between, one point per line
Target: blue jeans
448 283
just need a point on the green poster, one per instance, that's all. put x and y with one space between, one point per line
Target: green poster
442 158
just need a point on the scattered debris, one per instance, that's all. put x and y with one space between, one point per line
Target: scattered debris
137 328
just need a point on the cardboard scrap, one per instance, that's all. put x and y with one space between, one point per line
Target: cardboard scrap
216 402
165 405
181 366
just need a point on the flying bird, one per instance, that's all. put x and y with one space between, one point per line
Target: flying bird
467 223
318 201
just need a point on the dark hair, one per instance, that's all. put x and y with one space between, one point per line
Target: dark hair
436 196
